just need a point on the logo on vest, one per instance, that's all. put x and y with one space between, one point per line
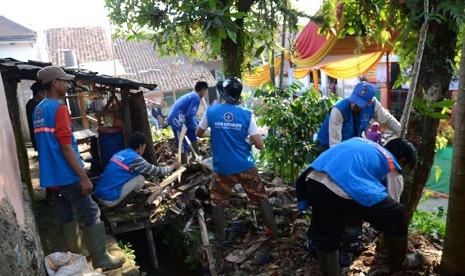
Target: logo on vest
228 116
39 112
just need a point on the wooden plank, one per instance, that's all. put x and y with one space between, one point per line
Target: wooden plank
206 243
82 103
238 256
164 183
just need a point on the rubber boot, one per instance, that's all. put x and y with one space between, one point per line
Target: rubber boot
268 217
329 263
73 239
184 158
195 147
219 219
396 249
94 235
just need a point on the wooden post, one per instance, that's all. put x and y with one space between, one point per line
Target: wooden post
205 242
140 122
126 114
82 103
151 244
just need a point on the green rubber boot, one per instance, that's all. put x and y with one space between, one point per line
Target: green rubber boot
396 249
268 217
219 218
94 235
329 263
73 238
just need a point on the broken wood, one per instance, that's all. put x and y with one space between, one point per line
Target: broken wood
238 256
205 242
165 183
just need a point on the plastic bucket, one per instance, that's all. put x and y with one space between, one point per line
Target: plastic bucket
110 141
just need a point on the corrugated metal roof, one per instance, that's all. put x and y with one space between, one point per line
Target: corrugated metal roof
12 31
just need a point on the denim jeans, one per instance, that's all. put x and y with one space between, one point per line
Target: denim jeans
71 202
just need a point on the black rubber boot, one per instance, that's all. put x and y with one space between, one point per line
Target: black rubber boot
329 263
94 235
219 218
396 249
184 160
268 217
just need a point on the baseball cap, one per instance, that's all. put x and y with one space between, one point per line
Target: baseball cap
50 73
363 94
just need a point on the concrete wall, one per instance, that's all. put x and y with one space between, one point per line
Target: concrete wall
21 251
20 50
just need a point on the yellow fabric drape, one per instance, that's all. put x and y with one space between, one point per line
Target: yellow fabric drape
261 74
300 73
352 67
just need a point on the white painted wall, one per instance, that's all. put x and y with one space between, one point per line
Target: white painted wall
22 51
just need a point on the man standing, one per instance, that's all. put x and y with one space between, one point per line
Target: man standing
351 116
183 113
61 167
358 177
122 176
233 162
38 95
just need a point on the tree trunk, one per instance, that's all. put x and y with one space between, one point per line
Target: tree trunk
454 242
434 79
233 57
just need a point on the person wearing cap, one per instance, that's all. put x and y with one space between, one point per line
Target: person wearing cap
233 161
183 113
38 95
61 168
351 116
358 177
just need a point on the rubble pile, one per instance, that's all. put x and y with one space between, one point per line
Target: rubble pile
249 249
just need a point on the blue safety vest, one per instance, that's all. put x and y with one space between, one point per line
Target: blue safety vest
350 119
359 167
53 167
116 174
229 126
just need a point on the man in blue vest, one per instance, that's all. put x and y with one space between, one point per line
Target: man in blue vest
351 116
122 176
182 113
233 161
61 168
358 177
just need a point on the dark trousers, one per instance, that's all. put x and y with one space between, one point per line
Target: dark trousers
330 211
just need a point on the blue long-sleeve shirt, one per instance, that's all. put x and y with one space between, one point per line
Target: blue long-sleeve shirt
184 111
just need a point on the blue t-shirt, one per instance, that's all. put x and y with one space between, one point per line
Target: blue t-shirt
229 126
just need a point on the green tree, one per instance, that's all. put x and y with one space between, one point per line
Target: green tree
235 30
454 242
294 122
380 20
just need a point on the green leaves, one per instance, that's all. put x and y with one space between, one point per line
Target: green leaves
292 122
431 110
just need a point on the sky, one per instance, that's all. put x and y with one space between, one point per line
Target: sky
45 14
